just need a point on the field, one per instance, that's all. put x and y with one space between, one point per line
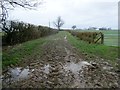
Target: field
110 37
14 54
58 61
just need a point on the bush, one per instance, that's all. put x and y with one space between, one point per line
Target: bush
90 37
18 32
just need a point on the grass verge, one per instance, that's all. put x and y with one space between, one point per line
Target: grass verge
14 56
107 52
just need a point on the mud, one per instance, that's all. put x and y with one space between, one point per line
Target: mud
62 66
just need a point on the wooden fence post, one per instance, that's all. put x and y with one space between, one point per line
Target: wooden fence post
102 38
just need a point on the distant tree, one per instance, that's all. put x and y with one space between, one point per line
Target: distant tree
103 28
58 23
73 27
92 28
109 28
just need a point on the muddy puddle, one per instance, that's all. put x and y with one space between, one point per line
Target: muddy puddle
46 69
20 73
76 67
16 74
65 38
76 71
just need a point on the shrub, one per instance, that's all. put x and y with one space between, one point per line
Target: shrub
18 32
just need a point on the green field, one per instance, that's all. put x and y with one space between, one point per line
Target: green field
110 37
0 33
109 53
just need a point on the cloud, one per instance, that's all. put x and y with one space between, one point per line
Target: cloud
83 13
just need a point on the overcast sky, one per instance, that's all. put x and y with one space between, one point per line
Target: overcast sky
82 13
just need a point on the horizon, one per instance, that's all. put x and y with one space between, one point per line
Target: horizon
82 13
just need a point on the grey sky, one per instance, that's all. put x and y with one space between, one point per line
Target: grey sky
82 13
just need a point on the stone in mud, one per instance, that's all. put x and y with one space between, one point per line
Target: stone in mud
55 73
68 60
94 64
32 64
53 65
50 59
54 70
116 85
85 54
49 82
106 63
57 57
112 73
107 68
97 85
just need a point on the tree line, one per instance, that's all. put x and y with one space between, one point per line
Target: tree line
17 32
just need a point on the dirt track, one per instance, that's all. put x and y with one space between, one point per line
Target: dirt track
62 66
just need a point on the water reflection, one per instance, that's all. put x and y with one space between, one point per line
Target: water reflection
76 67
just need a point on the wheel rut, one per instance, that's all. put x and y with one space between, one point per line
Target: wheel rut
60 66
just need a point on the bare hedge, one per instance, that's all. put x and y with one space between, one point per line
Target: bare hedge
18 32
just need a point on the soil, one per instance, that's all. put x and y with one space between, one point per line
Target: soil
61 66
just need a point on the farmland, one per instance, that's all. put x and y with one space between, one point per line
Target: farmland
43 44
110 37
56 56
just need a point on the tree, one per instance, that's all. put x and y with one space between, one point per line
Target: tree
92 28
58 23
6 5
103 28
9 26
73 27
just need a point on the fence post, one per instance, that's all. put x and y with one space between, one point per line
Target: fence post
102 38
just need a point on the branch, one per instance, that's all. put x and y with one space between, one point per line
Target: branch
21 3
5 5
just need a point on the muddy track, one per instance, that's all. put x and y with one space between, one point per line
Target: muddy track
62 66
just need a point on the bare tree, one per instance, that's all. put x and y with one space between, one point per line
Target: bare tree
73 27
6 5
58 23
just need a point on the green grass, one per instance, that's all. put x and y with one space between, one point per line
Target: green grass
0 61
103 51
110 36
0 33
15 55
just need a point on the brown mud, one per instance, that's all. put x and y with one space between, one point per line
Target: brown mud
61 66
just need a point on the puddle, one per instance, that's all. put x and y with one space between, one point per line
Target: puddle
77 70
46 69
65 38
76 67
107 68
16 74
24 73
19 73
67 51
